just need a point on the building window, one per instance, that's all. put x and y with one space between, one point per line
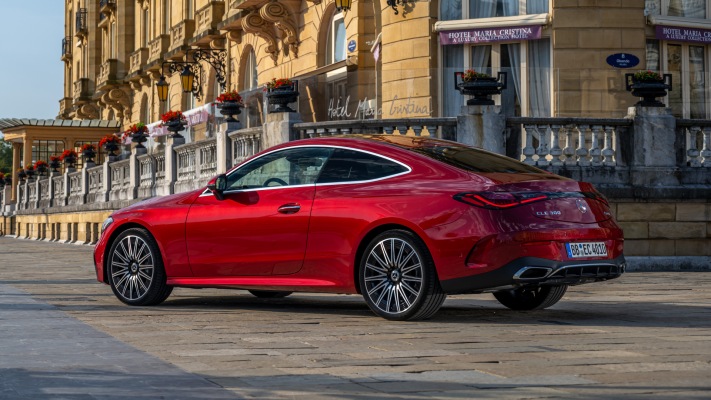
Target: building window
191 9
251 92
145 22
336 46
166 17
43 149
526 63
677 8
112 40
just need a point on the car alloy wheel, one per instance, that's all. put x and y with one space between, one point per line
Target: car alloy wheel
397 277
135 269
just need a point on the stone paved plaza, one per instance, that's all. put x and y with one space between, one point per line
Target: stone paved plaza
64 336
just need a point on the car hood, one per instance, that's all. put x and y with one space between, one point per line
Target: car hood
185 198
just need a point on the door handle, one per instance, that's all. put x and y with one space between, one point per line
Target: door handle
291 208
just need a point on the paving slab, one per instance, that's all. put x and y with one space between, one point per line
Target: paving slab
64 335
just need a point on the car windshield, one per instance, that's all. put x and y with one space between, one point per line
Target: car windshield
463 157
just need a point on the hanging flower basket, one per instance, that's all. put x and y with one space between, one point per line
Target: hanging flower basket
648 85
54 163
88 151
479 85
230 104
69 157
280 93
110 143
41 167
175 122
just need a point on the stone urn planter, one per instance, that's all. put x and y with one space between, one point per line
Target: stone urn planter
8 179
481 86
229 109
41 167
21 175
88 152
69 157
54 164
30 172
281 95
649 87
175 126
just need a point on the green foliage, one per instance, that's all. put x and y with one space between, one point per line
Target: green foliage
5 156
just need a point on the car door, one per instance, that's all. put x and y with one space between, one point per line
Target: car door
261 224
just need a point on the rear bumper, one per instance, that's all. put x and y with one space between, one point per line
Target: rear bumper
532 271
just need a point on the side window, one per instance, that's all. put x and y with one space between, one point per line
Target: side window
299 166
350 166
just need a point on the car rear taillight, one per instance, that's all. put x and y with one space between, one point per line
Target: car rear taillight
499 200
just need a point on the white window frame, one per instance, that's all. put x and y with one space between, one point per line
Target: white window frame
685 71
331 45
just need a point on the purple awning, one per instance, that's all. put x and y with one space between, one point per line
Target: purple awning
683 34
489 35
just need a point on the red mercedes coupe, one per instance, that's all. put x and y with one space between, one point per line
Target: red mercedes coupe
402 220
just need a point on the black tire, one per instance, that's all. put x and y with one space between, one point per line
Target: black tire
396 265
268 294
531 298
135 269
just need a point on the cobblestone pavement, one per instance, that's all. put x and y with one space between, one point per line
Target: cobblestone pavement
63 335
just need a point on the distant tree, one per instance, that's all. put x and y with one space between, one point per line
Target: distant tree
5 156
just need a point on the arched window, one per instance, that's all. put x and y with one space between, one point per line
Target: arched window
251 92
249 76
336 40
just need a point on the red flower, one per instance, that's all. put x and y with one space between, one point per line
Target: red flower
54 158
277 83
29 167
172 115
88 146
68 153
41 164
2 176
110 138
229 96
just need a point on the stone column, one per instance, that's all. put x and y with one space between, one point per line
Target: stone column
133 176
171 165
482 126
224 145
278 128
653 159
106 189
15 166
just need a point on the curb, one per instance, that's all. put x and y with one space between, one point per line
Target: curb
668 264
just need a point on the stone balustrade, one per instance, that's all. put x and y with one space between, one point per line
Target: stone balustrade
444 128
696 136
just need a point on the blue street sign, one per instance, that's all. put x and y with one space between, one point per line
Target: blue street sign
623 60
351 46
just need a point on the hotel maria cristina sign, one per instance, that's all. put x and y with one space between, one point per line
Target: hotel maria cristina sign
489 35
683 34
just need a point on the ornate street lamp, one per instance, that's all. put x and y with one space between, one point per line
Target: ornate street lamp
187 78
162 88
191 71
343 5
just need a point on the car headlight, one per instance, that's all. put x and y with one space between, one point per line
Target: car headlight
106 224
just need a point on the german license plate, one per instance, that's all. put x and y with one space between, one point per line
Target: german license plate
589 249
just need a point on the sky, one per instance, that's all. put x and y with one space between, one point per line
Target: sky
31 71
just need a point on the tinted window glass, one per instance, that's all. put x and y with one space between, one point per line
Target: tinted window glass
349 166
471 159
300 166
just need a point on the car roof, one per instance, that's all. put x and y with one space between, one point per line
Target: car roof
408 142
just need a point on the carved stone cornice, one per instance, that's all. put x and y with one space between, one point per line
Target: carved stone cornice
279 15
88 111
118 98
235 36
254 23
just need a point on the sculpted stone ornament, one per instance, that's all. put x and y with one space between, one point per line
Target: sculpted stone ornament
254 23
278 14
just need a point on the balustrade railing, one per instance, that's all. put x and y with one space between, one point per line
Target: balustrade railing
245 143
58 191
21 196
443 128
32 194
206 160
95 192
146 177
76 197
696 136
556 142
45 196
186 169
120 172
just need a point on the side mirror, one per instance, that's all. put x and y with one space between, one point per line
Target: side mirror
217 186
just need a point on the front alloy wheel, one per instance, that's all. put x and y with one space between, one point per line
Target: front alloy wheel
398 278
135 268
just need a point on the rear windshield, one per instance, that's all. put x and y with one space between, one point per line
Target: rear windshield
471 159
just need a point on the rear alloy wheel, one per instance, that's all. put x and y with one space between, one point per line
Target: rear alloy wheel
267 294
398 278
135 269
531 298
